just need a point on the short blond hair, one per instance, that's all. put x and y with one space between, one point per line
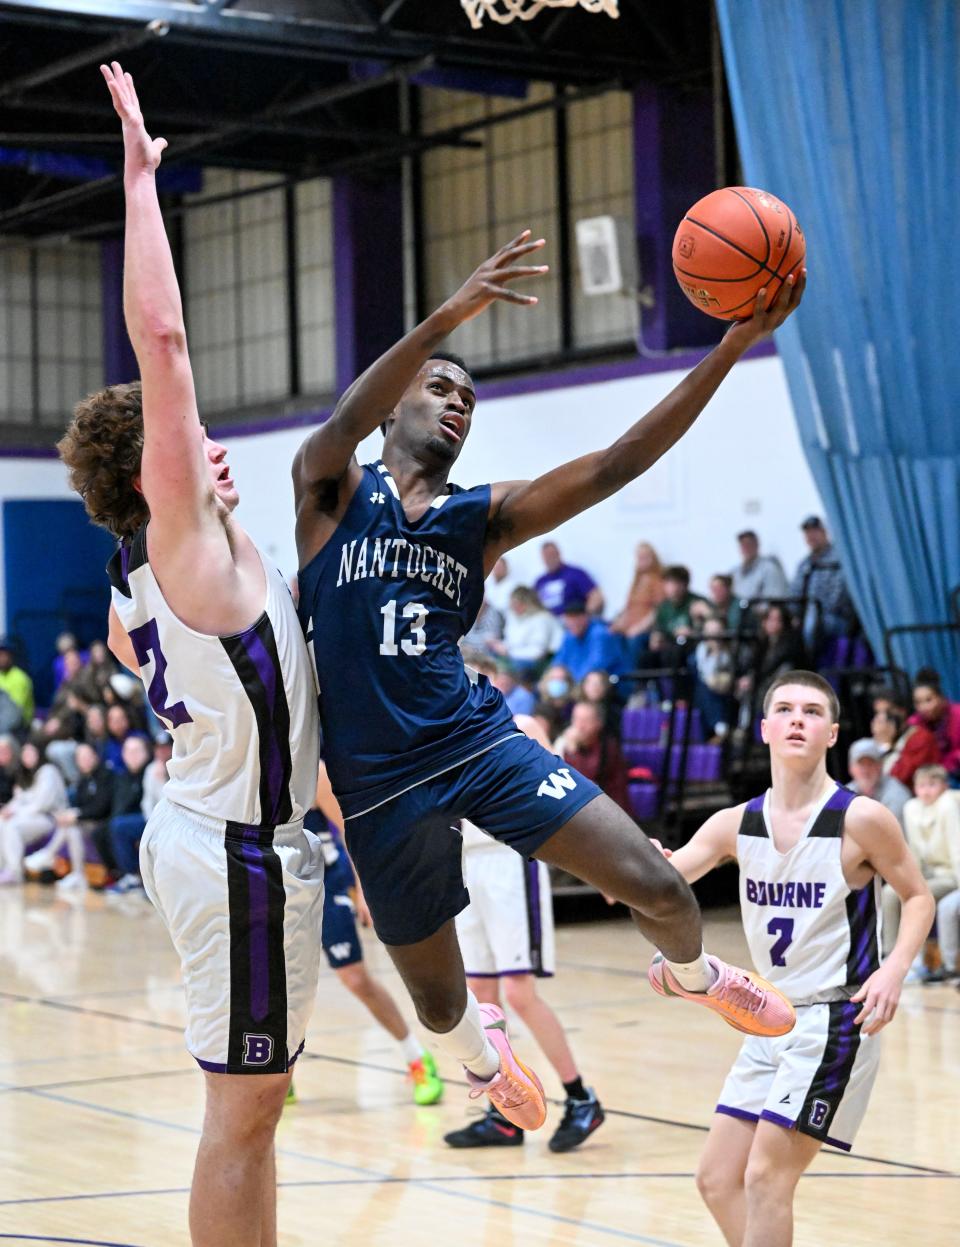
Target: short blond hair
933 771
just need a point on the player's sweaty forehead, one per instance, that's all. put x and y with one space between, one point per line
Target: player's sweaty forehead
445 370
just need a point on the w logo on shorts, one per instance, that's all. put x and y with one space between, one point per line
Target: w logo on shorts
558 785
257 1049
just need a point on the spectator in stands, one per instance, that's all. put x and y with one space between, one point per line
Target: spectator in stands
555 698
714 667
499 585
126 813
157 773
39 794
932 821
674 614
865 763
519 699
780 649
820 578
588 643
757 576
99 671
487 629
17 685
595 753
722 604
645 595
95 728
66 641
906 746
90 801
561 584
941 717
9 764
597 687
530 634
119 728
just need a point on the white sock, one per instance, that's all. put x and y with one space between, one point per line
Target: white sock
694 976
468 1042
411 1047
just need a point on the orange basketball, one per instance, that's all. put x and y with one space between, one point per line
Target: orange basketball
731 244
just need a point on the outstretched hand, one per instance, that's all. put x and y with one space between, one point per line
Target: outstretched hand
142 152
488 283
761 324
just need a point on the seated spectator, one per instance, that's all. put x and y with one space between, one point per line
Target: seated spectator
932 821
722 603
673 615
100 669
597 688
595 753
555 697
119 847
69 705
499 585
519 699
820 578
939 716
95 728
66 641
487 629
157 773
757 576
588 643
561 584
906 746
530 634
645 595
865 763
90 800
781 649
39 794
9 764
713 664
119 728
17 685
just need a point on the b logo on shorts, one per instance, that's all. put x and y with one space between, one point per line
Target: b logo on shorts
818 1114
257 1049
558 785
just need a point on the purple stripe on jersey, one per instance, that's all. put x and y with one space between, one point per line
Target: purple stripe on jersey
777 1120
740 1113
838 1073
270 749
844 1147
125 563
840 800
218 1067
258 906
863 953
756 805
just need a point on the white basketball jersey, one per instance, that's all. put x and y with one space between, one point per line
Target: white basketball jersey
475 840
242 709
808 933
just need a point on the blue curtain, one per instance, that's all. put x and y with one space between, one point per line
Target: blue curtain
850 111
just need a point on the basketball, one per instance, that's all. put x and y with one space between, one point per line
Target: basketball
730 245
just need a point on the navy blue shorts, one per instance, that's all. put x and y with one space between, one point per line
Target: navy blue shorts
407 850
340 938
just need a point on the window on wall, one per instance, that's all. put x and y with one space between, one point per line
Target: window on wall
315 291
235 259
476 199
51 349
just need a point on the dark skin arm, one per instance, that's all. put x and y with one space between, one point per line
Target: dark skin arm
325 470
520 510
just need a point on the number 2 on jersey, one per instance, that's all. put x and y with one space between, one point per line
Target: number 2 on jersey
784 928
146 641
414 611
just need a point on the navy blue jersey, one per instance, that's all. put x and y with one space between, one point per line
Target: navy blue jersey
384 604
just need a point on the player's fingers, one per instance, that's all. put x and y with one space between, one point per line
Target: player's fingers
514 242
508 296
760 303
529 270
514 253
858 996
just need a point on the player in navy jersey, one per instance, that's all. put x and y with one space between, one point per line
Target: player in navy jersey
811 857
392 563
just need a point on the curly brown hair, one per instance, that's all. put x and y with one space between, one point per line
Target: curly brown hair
102 448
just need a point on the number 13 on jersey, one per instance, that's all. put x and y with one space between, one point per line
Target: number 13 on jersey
416 644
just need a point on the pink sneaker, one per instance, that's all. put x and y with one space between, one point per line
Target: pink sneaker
514 1089
743 999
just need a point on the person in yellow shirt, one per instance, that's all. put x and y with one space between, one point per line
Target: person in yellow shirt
15 682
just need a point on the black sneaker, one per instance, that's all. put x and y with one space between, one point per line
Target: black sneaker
491 1130
580 1119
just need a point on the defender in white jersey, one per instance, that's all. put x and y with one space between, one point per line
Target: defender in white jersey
212 630
812 856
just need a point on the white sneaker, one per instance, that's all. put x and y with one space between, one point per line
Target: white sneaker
76 881
41 859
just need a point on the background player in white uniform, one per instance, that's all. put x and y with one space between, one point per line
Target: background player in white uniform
811 858
506 934
214 634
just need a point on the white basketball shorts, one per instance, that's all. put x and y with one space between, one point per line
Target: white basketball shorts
244 908
508 926
816 1080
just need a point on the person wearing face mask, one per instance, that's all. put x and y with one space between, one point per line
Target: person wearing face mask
555 700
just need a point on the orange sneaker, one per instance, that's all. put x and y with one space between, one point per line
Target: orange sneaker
743 999
514 1090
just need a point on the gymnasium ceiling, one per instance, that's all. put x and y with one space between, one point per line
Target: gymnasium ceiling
294 88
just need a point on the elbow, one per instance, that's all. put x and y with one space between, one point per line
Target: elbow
160 335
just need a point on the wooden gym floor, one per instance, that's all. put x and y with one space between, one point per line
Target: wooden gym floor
100 1108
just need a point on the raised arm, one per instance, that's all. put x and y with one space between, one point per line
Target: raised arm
714 843
520 510
175 476
324 469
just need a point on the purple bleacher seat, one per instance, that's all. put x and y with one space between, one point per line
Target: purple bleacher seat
650 756
641 723
644 799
